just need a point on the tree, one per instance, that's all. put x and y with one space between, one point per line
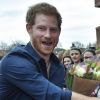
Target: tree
15 43
3 49
91 45
6 48
77 44
3 46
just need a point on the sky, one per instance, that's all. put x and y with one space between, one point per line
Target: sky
79 20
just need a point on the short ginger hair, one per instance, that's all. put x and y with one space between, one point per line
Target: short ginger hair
42 8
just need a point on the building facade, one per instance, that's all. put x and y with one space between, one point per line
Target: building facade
97 4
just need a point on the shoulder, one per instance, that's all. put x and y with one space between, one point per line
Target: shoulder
19 60
18 54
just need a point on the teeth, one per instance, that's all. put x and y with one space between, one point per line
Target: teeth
47 42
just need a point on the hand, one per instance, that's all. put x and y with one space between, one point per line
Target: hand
77 96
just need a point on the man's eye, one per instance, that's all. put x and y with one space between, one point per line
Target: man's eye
54 30
41 28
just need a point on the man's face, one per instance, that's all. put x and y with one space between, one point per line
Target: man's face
75 56
88 56
98 56
44 34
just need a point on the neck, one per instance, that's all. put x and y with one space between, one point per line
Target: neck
78 62
45 57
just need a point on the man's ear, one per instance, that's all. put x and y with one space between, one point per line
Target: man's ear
29 28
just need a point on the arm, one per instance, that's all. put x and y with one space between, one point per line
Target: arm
77 96
25 76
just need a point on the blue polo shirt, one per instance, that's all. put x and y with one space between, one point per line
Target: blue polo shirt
23 76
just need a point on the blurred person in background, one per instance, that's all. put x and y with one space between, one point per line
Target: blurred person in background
67 61
89 55
76 55
97 51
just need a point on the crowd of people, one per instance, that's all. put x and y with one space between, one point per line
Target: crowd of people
73 58
32 71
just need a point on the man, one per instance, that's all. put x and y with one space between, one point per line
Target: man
33 72
89 55
97 51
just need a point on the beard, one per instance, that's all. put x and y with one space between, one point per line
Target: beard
41 48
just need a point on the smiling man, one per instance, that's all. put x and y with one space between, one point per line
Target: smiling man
32 71
44 34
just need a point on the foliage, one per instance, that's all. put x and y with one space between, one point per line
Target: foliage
78 44
3 46
6 48
91 45
14 43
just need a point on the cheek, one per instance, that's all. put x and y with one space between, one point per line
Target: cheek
56 39
78 56
35 36
70 62
36 43
31 36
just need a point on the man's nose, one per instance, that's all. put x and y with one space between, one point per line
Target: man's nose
48 33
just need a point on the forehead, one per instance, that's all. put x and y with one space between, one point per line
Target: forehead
88 54
74 51
66 58
46 19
